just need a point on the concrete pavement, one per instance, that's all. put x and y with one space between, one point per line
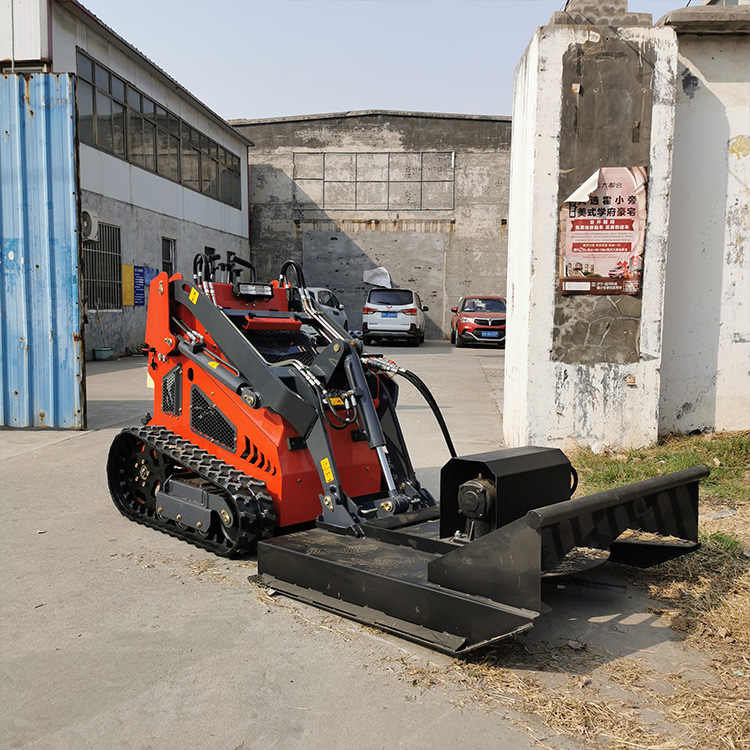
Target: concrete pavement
121 637
117 636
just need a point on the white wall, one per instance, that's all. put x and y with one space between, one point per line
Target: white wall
548 402
23 30
706 367
114 178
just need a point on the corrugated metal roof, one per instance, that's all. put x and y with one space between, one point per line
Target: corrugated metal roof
41 367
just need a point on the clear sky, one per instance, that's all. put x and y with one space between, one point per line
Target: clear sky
274 58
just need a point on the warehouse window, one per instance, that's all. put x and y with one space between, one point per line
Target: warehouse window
167 255
115 117
102 270
398 181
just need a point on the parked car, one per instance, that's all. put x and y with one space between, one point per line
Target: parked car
331 305
393 314
478 319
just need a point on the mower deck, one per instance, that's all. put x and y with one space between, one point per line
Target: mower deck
384 585
404 577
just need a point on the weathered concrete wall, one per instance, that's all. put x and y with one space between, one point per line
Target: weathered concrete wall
337 259
706 360
563 382
141 232
441 252
600 130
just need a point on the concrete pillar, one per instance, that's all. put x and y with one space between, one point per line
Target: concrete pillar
595 88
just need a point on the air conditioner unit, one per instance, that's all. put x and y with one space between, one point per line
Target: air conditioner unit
89 225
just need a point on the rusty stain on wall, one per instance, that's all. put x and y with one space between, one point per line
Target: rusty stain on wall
739 146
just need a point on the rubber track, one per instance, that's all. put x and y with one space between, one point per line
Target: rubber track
254 507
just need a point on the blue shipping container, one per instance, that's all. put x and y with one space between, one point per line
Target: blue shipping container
41 362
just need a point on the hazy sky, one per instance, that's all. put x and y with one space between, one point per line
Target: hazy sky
274 58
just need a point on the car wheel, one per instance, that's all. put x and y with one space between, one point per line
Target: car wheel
414 341
459 342
367 340
453 336
421 338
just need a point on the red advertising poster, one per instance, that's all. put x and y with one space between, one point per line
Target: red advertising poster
602 228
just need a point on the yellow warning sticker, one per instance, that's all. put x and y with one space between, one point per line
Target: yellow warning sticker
193 297
213 364
336 401
325 464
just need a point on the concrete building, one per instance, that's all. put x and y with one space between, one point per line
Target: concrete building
161 175
705 372
600 87
423 195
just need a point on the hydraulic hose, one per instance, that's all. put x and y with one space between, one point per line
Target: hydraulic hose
428 397
297 270
384 365
308 305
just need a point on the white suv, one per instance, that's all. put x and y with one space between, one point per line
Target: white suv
393 314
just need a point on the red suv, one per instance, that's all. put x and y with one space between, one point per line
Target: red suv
478 320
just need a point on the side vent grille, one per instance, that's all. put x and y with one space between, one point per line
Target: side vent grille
208 421
252 455
171 391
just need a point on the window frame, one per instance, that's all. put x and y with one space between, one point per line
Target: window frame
102 265
144 122
170 245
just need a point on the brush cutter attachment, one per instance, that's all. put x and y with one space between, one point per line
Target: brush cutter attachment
473 574
258 427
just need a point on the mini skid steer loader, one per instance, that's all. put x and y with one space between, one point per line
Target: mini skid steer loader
259 429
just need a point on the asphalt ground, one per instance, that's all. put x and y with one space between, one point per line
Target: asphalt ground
117 636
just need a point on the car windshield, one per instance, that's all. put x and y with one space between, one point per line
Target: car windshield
391 297
483 304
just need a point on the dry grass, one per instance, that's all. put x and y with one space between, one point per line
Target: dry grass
571 693
707 594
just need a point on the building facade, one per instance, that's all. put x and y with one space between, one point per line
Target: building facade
423 195
161 176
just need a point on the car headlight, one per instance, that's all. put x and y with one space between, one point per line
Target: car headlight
466 320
